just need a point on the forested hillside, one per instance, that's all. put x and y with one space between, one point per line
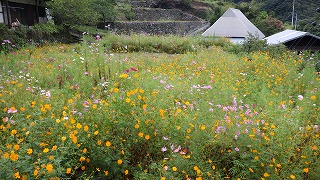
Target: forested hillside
305 17
305 12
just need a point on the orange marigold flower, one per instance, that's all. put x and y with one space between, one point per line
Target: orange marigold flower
305 170
108 143
266 174
49 168
119 161
140 134
16 147
13 156
17 175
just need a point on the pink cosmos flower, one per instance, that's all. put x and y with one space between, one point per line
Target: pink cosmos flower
12 110
163 149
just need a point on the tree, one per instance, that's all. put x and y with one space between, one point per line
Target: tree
106 9
73 13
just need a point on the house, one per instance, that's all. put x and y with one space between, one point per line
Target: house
25 12
295 40
233 24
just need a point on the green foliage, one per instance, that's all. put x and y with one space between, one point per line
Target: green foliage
253 43
73 13
162 44
81 112
12 39
40 33
106 9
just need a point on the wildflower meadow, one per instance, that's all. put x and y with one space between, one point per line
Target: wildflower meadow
85 111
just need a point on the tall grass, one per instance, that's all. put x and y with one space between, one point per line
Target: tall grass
87 111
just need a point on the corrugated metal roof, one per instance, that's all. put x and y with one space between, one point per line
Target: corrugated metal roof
233 23
286 35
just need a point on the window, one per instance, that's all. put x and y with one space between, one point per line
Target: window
1 13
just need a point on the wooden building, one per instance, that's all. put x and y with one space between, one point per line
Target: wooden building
27 12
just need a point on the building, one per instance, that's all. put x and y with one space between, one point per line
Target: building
26 12
295 40
233 24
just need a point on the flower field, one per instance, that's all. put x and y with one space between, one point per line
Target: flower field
81 112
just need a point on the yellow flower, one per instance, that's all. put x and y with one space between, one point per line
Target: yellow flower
147 137
136 126
140 134
292 176
174 168
163 178
51 157
54 148
13 132
29 151
49 168
45 150
119 161
266 175
128 100
305 170
63 138
96 133
82 159
68 171
123 76
203 127
70 101
106 173
86 128
195 168
126 172
313 97
251 170
79 126
13 156
17 175
16 147
35 172
108 143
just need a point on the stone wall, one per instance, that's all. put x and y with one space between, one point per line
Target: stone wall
157 28
156 14
157 21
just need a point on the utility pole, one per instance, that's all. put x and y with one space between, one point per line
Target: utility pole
292 19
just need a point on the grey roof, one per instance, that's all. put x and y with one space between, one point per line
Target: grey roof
287 35
233 23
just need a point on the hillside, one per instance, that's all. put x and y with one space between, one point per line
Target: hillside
305 11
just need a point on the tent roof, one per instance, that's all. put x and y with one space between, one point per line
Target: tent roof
233 23
286 36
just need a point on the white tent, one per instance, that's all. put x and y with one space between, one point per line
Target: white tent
233 24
